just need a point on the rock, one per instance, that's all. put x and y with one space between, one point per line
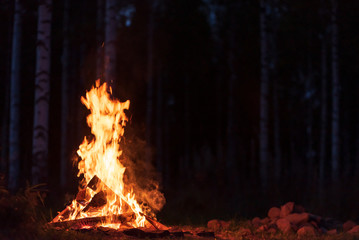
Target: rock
315 224
306 231
332 232
348 225
284 225
354 230
244 232
272 230
274 213
265 221
225 224
286 209
256 222
262 228
298 218
214 225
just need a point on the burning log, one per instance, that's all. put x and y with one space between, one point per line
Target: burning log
157 225
94 221
97 201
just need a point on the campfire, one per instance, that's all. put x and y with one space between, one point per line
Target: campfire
104 199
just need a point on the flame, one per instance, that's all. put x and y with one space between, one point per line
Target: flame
100 157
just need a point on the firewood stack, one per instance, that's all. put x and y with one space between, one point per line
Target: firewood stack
86 203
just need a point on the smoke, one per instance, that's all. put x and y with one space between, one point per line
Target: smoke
140 175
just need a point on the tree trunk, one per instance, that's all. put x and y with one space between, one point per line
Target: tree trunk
323 114
231 163
150 84
99 39
159 126
264 91
187 129
335 95
309 123
42 92
15 86
5 133
277 149
110 41
64 96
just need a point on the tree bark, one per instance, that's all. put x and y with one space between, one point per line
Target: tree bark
15 86
64 96
42 92
150 84
264 92
99 39
159 125
335 95
110 41
187 129
5 133
277 149
231 163
323 114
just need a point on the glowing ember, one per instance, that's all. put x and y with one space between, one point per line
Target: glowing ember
103 192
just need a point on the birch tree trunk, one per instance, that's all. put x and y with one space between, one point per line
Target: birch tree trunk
99 39
264 91
65 96
335 94
14 123
42 92
110 41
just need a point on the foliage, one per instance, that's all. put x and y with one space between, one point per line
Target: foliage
22 213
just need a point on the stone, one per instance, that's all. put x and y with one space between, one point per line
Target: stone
332 232
306 231
348 225
265 221
272 230
244 232
256 222
284 225
286 209
225 224
262 228
274 213
214 225
354 230
315 224
297 218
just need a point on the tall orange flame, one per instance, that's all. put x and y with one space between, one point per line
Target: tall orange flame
100 157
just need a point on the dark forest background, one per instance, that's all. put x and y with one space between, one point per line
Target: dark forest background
239 105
